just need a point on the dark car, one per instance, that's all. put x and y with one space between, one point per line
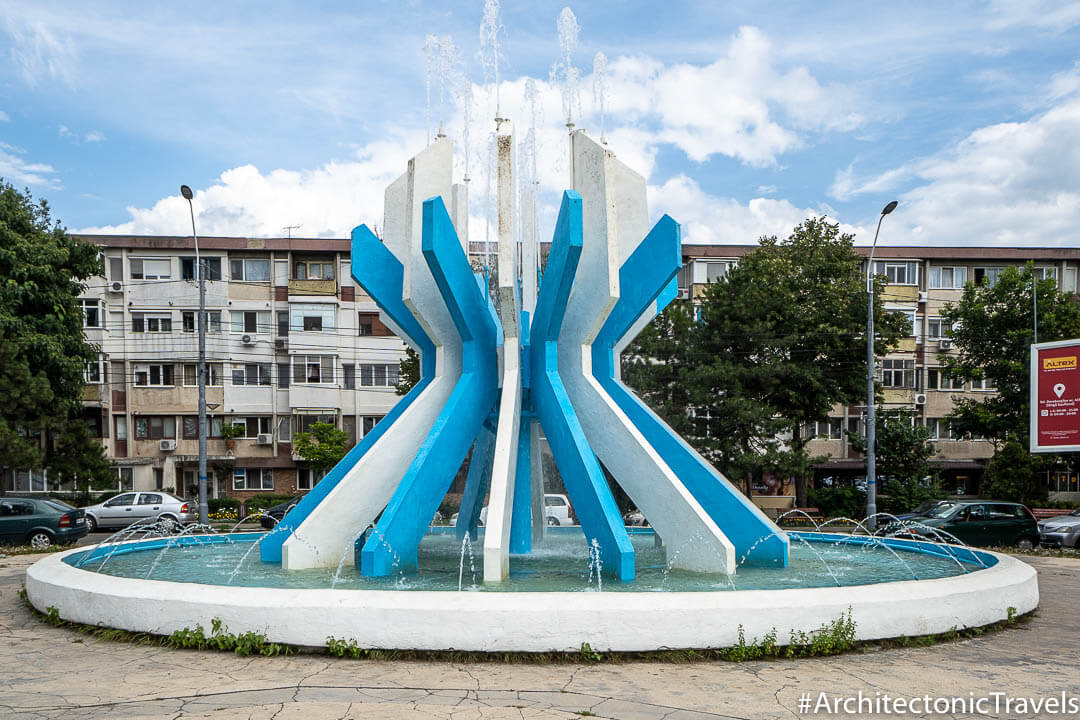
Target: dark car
921 509
978 522
40 523
272 515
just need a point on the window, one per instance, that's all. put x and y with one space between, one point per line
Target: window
154 375
898 373
898 273
313 369
831 429
93 372
1069 285
368 323
937 328
142 322
314 270
304 422
939 429
306 478
212 265
155 427
250 269
282 323
93 317
312 317
348 376
253 479
188 321
116 268
938 379
151 268
909 320
987 275
370 422
125 482
984 384
283 375
379 375
214 372
253 426
948 278
251 374
1042 273
190 427
250 321
284 428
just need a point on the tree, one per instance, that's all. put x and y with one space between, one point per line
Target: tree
408 371
43 351
323 447
993 329
780 339
903 458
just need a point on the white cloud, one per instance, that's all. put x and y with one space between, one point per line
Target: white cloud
4 117
65 131
15 169
707 219
94 136
1006 184
38 53
326 202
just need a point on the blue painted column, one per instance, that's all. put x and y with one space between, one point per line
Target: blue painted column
648 278
476 483
381 275
393 545
581 473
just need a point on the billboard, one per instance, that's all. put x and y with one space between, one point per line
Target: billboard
1055 396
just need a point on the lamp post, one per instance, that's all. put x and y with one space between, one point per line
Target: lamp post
204 511
871 428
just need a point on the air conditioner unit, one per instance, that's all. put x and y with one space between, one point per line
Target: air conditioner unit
945 344
167 445
264 439
684 293
116 286
281 344
249 339
920 399
922 296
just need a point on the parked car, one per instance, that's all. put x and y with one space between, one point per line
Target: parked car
556 508
978 522
272 515
1063 530
124 509
921 509
40 523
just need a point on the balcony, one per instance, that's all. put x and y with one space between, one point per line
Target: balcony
313 287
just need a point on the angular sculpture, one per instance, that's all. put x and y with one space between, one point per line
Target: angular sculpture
497 370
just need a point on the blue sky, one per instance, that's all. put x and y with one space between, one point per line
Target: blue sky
744 117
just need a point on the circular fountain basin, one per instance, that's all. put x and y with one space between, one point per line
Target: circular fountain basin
552 600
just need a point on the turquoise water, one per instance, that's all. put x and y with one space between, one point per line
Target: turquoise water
561 564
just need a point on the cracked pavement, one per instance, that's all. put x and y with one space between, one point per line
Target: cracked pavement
48 672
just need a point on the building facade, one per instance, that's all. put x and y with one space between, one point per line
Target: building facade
920 281
290 341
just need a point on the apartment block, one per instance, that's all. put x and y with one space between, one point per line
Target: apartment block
290 341
920 281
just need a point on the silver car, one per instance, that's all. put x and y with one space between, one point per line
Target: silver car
1063 530
127 508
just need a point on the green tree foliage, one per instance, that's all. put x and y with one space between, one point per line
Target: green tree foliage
903 458
780 339
323 447
992 329
43 352
1013 474
408 371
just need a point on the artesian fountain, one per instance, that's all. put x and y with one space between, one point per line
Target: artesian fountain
357 558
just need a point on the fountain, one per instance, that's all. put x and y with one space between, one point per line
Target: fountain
357 557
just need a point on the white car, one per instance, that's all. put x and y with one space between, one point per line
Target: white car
126 508
556 508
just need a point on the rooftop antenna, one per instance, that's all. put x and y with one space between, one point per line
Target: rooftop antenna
290 228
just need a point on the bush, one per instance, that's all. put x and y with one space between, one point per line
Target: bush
256 503
216 505
901 496
838 501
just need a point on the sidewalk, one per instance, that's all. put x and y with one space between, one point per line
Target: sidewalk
47 672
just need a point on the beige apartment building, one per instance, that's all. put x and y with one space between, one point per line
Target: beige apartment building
921 280
291 340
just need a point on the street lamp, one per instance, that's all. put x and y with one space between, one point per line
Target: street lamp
204 510
871 429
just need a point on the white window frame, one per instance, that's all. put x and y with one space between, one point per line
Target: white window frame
942 331
368 374
94 372
993 270
262 322
161 273
884 267
326 312
87 304
146 369
301 370
214 374
906 370
246 267
909 314
263 372
247 473
957 277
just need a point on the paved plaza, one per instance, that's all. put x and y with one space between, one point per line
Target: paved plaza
48 672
